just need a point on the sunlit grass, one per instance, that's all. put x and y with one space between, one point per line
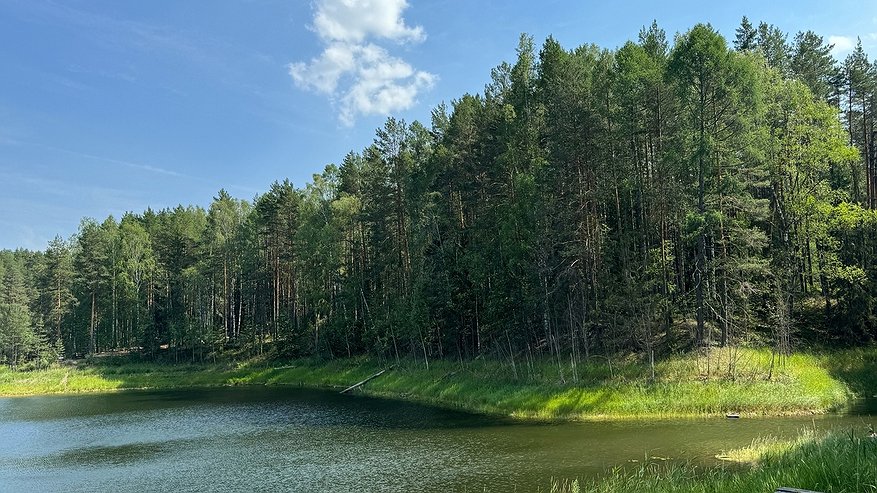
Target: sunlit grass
723 381
766 447
840 462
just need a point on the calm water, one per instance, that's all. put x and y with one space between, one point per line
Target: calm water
281 439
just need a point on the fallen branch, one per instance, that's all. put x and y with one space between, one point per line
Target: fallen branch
449 375
360 384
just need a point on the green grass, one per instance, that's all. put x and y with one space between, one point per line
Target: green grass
837 463
685 385
767 446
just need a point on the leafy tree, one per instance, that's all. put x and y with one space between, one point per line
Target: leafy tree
138 270
714 87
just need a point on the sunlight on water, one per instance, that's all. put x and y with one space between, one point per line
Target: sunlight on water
251 439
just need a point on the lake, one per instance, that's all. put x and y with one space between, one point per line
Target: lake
289 439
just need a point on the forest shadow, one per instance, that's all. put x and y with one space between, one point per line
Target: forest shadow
857 368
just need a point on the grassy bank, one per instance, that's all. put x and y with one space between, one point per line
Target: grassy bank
838 463
744 381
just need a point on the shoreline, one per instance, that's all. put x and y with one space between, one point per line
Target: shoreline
579 418
817 461
807 387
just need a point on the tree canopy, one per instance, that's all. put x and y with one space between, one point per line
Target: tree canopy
588 201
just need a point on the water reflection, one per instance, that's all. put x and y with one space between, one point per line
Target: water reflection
247 439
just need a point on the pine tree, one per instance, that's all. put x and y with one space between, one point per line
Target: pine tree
56 296
19 341
745 36
771 43
813 64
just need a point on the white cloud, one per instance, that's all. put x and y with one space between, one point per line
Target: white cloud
323 72
355 20
842 45
359 76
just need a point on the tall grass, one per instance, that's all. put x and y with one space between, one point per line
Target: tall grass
838 463
744 381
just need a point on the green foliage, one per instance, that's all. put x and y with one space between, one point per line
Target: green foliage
18 338
837 462
590 202
603 389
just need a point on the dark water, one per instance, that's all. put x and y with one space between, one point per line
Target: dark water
280 439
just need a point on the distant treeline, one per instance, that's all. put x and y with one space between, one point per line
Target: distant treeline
589 201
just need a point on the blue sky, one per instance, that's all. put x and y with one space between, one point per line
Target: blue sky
112 106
